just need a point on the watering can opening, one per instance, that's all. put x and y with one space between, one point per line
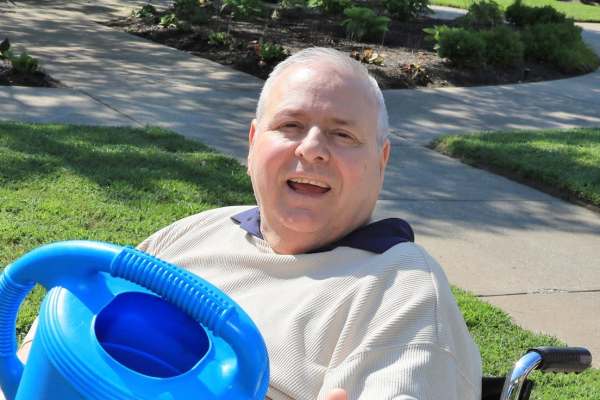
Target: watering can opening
150 336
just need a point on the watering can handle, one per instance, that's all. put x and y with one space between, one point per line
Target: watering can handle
53 264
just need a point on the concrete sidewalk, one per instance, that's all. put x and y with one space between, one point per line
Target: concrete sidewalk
532 254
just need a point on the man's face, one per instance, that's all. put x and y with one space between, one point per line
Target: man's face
315 165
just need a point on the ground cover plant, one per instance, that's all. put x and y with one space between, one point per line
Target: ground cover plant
580 10
392 30
563 162
21 69
120 185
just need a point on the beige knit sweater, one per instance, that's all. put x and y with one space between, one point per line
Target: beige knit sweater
381 326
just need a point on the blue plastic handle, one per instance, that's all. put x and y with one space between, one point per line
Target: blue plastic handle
55 264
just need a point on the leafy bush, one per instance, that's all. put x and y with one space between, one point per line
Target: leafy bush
330 6
244 8
271 53
405 10
484 14
222 39
21 64
503 47
24 64
169 20
522 15
363 22
463 47
190 11
147 13
561 45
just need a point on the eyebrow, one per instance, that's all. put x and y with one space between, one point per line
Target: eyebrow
301 113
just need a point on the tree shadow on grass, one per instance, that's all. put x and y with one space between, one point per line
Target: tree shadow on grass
126 163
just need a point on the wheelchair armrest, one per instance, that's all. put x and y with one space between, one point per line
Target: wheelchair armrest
563 359
550 359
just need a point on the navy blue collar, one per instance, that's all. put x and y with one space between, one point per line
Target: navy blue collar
376 237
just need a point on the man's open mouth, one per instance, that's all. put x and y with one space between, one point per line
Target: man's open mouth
308 186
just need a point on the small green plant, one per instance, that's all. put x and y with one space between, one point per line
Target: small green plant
522 15
21 64
434 34
221 39
271 53
362 22
244 8
169 20
25 64
405 10
331 7
503 47
483 14
146 12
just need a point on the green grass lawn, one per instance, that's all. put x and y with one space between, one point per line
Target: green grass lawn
565 161
120 185
574 9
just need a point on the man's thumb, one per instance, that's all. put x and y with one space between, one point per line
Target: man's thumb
337 394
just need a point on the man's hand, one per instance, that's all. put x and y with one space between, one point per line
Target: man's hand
337 394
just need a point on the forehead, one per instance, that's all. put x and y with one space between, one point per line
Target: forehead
322 88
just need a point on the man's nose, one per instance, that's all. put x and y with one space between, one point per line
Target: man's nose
313 147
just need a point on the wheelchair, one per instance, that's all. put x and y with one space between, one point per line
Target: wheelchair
516 386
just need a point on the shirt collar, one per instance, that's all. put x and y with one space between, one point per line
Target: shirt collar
376 237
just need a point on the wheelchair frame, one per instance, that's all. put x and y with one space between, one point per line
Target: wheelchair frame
516 386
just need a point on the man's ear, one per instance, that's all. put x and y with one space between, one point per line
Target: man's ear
384 156
251 136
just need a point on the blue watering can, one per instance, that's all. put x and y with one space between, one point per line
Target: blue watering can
159 332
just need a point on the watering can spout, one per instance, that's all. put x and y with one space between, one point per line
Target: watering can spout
125 290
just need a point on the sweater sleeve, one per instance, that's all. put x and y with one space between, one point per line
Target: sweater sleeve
412 372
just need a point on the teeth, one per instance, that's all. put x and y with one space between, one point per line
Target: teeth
310 181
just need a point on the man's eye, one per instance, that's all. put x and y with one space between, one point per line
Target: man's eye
343 135
290 125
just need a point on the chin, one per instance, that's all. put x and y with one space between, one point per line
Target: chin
304 221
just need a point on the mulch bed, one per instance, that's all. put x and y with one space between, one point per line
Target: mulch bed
409 59
37 79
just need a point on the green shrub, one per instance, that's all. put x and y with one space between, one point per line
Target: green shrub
522 15
21 64
484 14
560 45
463 47
168 20
503 47
271 53
405 10
190 11
147 11
222 39
244 8
24 63
330 6
362 22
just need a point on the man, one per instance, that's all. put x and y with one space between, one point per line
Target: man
349 308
